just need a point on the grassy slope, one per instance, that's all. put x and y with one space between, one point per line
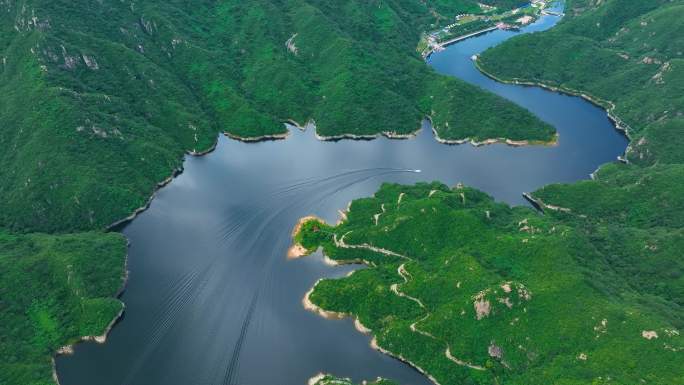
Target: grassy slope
54 289
615 255
101 100
460 248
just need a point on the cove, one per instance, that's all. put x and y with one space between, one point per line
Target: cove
211 297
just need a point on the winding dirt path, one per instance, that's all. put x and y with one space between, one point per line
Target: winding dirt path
395 288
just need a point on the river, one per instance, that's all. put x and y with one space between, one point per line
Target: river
211 297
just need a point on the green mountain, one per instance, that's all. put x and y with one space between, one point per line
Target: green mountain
119 91
330 380
102 99
590 292
628 56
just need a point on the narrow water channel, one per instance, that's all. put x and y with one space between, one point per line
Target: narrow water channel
211 297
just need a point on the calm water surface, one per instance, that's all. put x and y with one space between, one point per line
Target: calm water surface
213 300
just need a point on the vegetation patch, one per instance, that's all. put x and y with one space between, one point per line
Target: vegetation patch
492 294
54 290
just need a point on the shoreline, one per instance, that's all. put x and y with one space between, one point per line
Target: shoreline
374 345
326 259
605 105
327 314
256 139
509 142
542 206
442 45
608 106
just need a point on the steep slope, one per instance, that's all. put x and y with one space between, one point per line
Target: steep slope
629 57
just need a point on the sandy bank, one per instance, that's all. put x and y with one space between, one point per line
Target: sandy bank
315 379
297 250
312 307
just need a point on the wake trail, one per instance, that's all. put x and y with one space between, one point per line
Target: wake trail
185 293
231 373
231 369
185 290
317 181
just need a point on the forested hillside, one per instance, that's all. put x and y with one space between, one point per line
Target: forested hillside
53 291
101 99
591 292
628 56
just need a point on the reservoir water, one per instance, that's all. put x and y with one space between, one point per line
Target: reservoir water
212 299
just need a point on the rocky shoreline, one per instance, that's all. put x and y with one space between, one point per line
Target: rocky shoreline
374 345
541 206
486 142
297 250
255 139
